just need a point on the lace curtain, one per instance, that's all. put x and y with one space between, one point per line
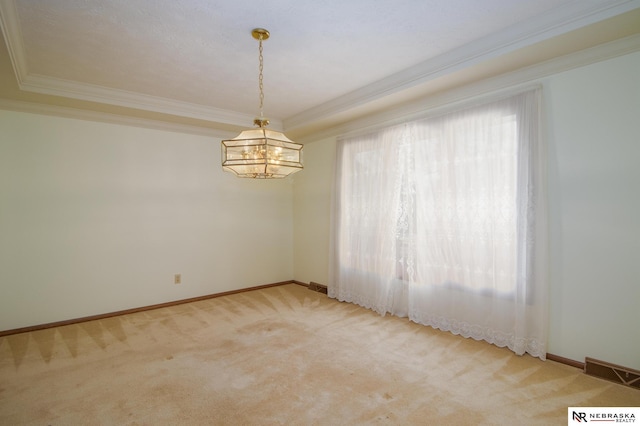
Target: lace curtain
443 220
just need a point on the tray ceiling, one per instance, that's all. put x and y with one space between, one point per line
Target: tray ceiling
196 60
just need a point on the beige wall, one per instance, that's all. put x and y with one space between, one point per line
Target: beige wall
593 128
97 217
312 203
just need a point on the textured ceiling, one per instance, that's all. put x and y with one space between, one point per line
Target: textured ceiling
196 59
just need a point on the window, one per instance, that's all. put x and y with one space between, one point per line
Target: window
454 197
442 212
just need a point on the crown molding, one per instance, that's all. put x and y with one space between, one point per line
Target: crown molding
553 23
410 111
483 90
10 25
103 117
123 98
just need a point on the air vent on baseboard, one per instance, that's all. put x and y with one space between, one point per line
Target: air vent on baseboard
615 373
318 287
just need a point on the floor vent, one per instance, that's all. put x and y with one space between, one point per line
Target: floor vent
615 373
318 287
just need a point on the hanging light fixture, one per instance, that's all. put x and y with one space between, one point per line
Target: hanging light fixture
261 153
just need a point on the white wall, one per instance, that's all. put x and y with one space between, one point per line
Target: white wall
593 125
97 217
312 203
594 198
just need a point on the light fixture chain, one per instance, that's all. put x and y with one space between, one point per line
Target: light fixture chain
260 84
262 154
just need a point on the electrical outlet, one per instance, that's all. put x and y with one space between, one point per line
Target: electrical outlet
177 278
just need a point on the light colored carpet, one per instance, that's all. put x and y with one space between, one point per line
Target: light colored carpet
283 355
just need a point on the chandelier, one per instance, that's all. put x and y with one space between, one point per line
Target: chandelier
261 153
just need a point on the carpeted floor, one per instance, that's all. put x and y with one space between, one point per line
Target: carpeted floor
280 356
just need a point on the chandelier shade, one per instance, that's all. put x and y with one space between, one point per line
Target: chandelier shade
261 153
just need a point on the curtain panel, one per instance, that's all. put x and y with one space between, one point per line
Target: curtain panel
443 220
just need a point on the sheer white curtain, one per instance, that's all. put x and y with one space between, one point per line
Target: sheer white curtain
443 220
